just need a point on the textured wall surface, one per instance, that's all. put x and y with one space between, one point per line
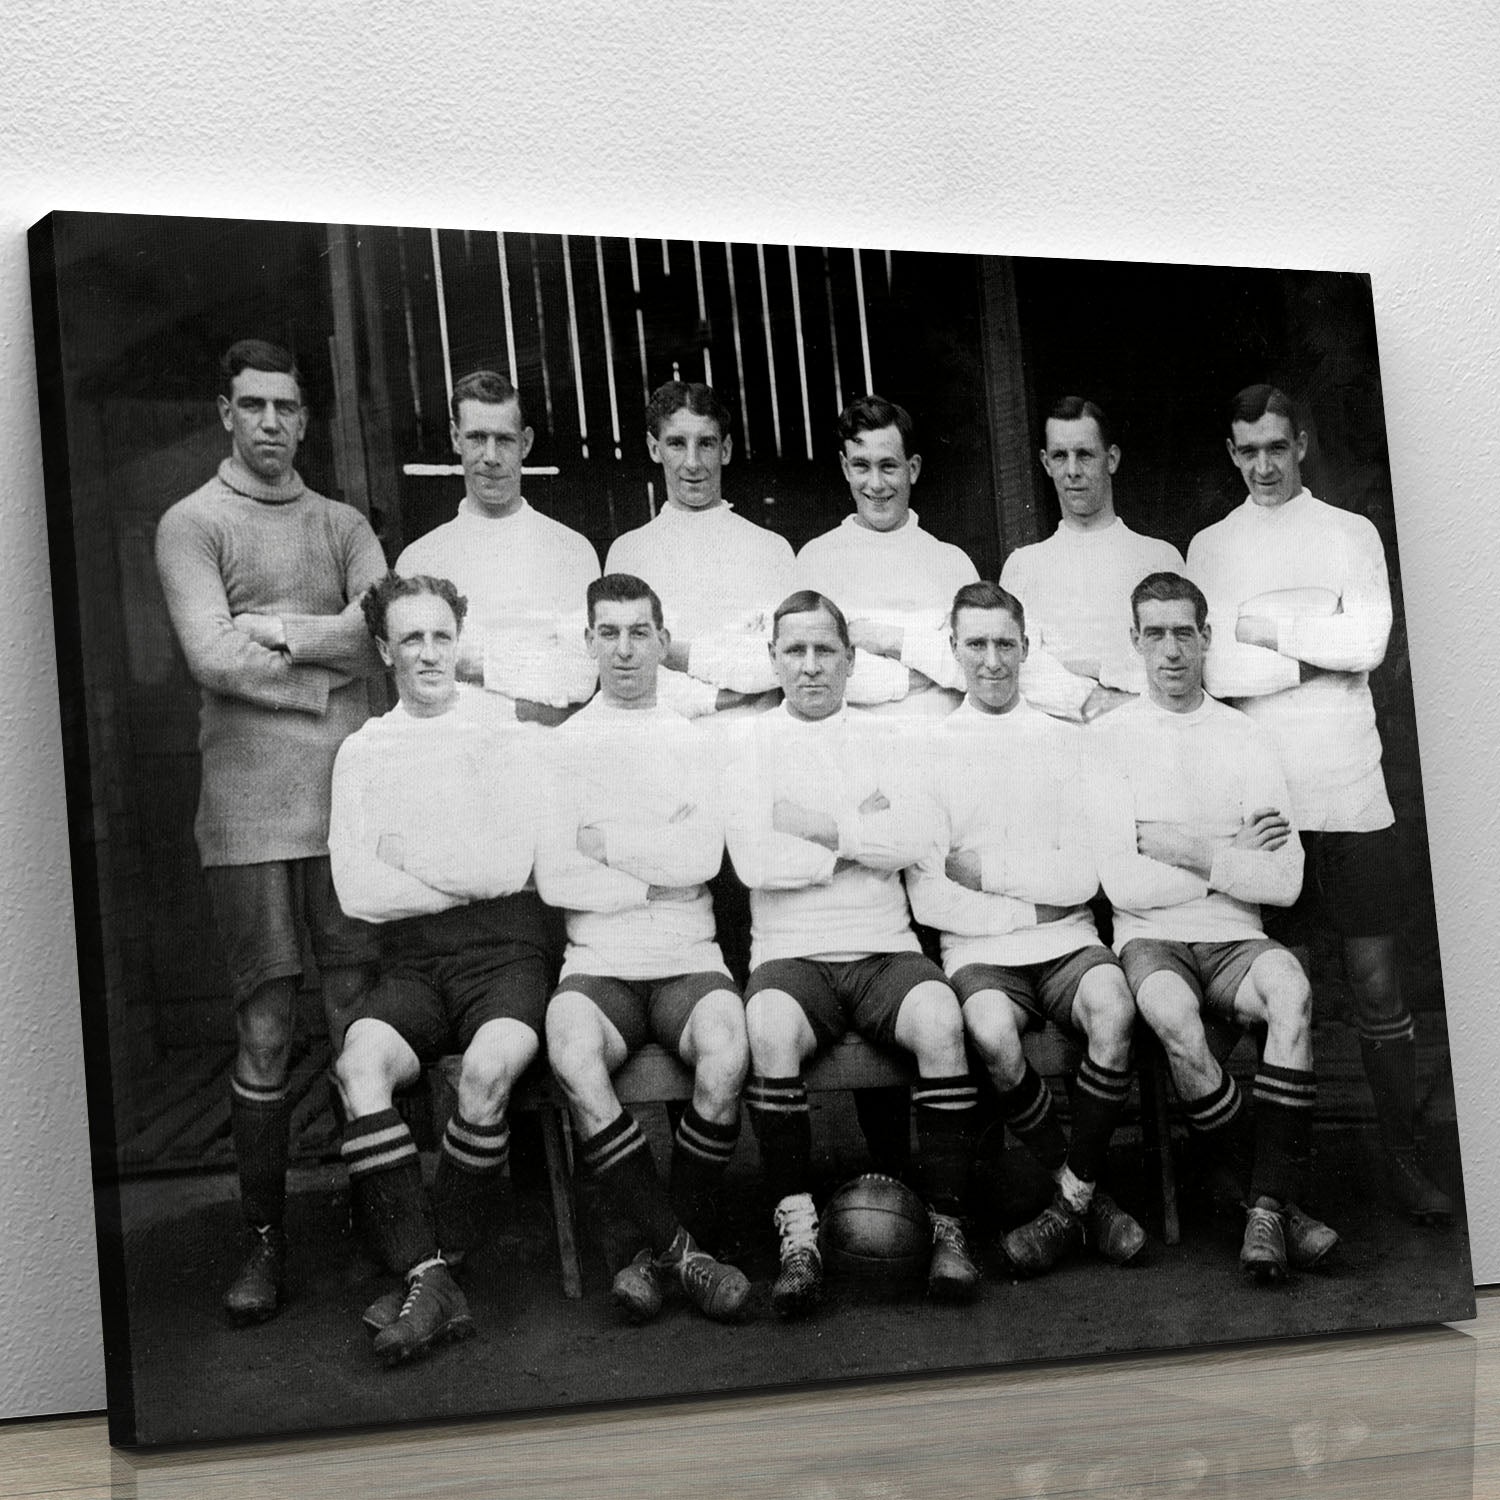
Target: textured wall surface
1361 138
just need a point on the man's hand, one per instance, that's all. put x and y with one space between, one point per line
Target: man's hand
1175 844
804 823
264 630
671 892
962 868
876 802
1104 700
390 850
591 843
728 698
530 712
877 639
676 659
469 662
1265 828
1080 666
1256 630
1046 913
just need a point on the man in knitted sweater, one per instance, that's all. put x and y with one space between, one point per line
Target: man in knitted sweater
522 572
436 814
1301 611
1197 834
1076 584
822 817
262 579
636 835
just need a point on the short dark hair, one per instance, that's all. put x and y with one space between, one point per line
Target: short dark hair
683 395
870 414
623 588
1075 409
1252 403
1164 588
256 354
488 386
810 602
986 595
385 591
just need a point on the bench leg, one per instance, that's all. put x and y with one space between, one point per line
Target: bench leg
1156 1130
554 1125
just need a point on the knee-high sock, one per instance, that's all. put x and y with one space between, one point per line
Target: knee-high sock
1389 1051
1027 1109
700 1155
1284 1099
946 1111
782 1122
620 1159
260 1121
470 1181
884 1116
1221 1121
1097 1105
385 1175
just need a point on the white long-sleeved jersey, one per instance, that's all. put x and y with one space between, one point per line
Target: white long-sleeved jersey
1324 729
1075 587
647 782
525 577
1016 789
806 900
432 813
1210 770
905 578
719 578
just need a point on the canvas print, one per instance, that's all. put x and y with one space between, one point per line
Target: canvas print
658 818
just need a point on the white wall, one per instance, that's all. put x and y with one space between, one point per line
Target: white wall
1360 139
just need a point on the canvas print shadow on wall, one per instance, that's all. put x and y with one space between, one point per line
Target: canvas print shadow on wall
821 979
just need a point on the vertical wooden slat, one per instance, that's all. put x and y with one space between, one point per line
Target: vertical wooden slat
739 350
1016 501
376 407
801 336
349 446
505 298
864 326
442 313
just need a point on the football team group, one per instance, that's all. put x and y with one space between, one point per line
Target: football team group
1109 738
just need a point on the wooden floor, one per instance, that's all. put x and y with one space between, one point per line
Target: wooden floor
1414 1415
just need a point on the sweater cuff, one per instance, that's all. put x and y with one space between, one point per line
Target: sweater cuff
306 688
992 872
324 639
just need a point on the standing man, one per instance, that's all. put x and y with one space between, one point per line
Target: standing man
1076 585
433 834
637 834
1198 835
821 823
892 580
719 576
522 572
1007 889
1301 608
263 579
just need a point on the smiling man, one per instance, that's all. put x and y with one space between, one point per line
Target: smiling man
1007 889
635 835
822 818
1301 608
523 573
1197 834
718 575
262 579
1076 584
434 830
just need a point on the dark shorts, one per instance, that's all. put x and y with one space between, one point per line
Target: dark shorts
640 1009
865 993
1353 882
1213 971
446 975
1045 991
260 912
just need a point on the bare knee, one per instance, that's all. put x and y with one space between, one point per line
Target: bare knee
1172 1011
490 1071
990 1021
778 1032
930 1026
1284 995
717 1046
1105 1012
263 1026
575 1039
373 1063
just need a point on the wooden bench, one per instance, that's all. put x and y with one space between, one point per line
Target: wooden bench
653 1076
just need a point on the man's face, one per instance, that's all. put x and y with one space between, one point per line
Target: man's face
990 648
880 477
421 649
1269 456
492 445
628 647
692 453
1081 467
1167 635
812 664
265 419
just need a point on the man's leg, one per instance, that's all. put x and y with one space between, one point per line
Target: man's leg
945 1103
781 1040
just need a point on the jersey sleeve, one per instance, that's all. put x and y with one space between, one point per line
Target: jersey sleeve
1354 639
566 878
1233 669
1269 877
763 858
342 641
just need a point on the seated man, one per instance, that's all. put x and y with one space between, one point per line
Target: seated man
432 836
1008 892
1198 835
819 827
634 839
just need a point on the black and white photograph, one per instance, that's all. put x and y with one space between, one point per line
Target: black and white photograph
656 817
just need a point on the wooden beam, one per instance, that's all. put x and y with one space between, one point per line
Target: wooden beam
1018 503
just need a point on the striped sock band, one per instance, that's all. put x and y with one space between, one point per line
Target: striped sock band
260 1118
1399 1028
1216 1110
1098 1102
1284 1099
613 1144
957 1093
266 1096
945 1110
477 1148
385 1179
703 1139
782 1121
377 1143
1291 1088
1027 1108
621 1159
